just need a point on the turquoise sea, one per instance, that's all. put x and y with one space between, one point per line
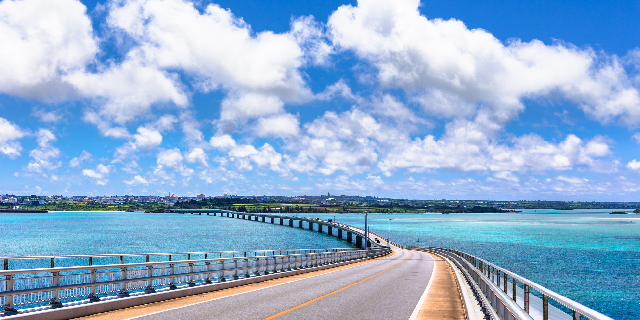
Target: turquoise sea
589 256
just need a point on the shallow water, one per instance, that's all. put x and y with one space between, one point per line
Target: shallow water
589 256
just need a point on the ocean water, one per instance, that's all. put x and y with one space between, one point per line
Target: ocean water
589 256
67 233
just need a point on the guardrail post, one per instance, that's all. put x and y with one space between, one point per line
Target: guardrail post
172 278
149 288
8 306
191 282
221 278
93 278
514 289
55 293
526 298
504 276
207 277
545 307
123 285
6 264
235 267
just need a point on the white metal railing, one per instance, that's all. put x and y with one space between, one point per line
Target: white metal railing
508 296
24 288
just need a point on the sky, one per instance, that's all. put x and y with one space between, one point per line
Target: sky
500 100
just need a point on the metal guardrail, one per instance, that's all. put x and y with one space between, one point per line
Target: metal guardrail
54 286
492 283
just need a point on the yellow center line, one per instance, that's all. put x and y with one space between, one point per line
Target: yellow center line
328 294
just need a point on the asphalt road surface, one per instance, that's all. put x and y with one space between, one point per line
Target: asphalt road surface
388 288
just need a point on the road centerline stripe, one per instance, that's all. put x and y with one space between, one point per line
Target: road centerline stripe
334 292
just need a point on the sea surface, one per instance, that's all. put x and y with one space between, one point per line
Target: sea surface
589 256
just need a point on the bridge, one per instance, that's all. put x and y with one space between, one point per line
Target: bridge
372 280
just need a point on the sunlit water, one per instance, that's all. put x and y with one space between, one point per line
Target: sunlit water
589 256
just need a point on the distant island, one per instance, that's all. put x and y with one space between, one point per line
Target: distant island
293 204
636 211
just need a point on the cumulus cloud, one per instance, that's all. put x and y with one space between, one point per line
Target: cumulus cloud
633 165
172 159
9 134
100 174
453 71
43 40
283 125
137 180
44 155
77 161
197 155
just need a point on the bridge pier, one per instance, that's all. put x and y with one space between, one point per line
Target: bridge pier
300 224
263 218
281 221
271 219
290 222
340 234
319 227
329 230
359 241
311 226
350 237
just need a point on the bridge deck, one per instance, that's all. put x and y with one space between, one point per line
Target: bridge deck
444 300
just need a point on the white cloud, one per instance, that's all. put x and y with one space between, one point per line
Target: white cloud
9 133
126 91
197 155
636 137
572 180
633 165
100 174
283 125
137 180
47 116
215 46
453 71
147 139
43 156
222 142
43 40
172 160
249 106
77 161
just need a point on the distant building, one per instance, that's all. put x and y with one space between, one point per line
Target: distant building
200 197
37 202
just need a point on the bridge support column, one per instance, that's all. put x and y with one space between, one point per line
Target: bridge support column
281 221
340 234
272 219
350 237
359 241
290 222
300 224
329 230
311 226
319 227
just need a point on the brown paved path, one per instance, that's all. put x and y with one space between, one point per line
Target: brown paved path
444 301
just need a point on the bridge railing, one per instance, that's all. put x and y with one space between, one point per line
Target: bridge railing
508 296
51 287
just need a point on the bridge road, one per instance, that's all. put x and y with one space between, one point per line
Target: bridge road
388 288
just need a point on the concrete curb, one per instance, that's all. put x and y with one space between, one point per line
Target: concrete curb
82 310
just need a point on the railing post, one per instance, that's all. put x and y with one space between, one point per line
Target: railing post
235 267
149 288
6 264
545 307
8 306
576 315
93 277
123 285
55 293
514 288
191 282
526 298
504 276
221 278
207 277
172 278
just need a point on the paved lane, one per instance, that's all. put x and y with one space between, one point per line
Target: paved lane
388 288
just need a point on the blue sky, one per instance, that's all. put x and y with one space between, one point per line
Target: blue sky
457 99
